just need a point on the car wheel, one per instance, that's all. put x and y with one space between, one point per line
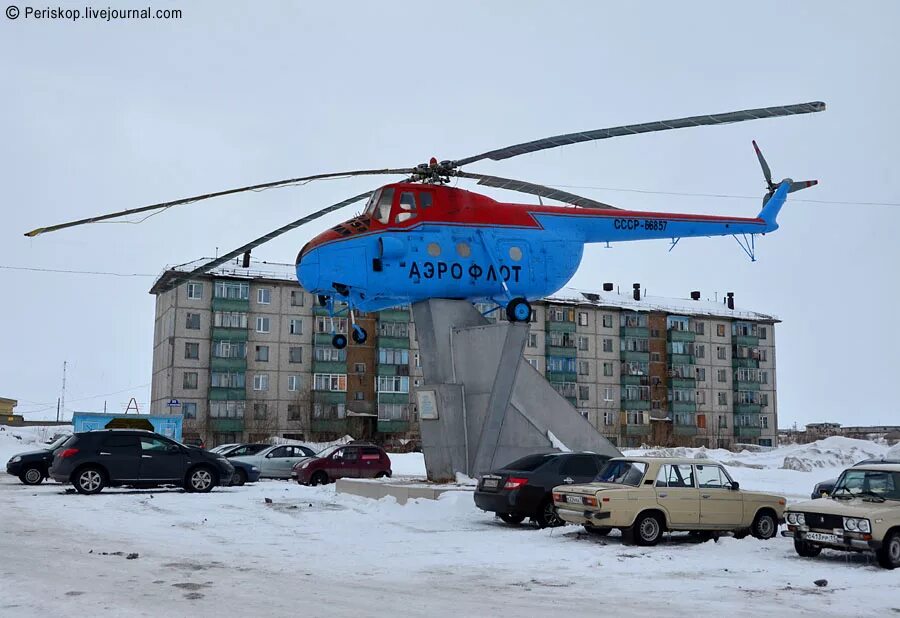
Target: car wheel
889 554
199 480
381 475
647 529
89 480
547 517
32 476
765 526
513 520
319 478
239 478
806 549
597 531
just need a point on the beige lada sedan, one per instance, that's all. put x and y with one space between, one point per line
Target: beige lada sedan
646 496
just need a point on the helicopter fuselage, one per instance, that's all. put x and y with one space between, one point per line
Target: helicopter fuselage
418 241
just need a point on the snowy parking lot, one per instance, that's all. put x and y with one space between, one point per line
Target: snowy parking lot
313 552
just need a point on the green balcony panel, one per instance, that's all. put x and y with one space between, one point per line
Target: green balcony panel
627 355
681 359
329 397
560 327
638 332
747 432
741 385
322 338
561 376
682 382
681 335
637 430
747 408
394 315
393 426
335 425
635 380
231 334
329 367
387 370
565 352
747 340
744 362
683 406
685 430
226 424
635 404
400 398
228 364
227 394
395 343
572 400
230 304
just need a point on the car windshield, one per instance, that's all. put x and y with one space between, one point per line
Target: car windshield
622 473
328 451
58 442
879 484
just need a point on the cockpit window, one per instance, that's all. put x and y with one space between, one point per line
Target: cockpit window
370 205
407 207
425 199
383 211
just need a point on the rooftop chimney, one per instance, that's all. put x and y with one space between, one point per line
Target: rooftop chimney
730 300
637 291
695 295
607 287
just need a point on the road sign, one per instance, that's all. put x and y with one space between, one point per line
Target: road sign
173 403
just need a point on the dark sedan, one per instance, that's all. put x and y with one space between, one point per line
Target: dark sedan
34 466
524 487
93 460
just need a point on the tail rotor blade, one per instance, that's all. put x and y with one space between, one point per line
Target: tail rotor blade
762 163
802 184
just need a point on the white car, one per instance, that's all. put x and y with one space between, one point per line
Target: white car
277 461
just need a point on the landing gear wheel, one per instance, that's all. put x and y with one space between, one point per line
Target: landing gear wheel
518 310
595 530
889 554
547 517
806 549
339 341
359 334
512 520
32 476
647 529
765 526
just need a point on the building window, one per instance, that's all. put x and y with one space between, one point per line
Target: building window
765 421
294 412
633 320
330 382
224 379
264 296
607 369
723 398
655 357
323 324
262 325
195 290
296 326
533 362
296 298
720 330
418 361
393 412
764 399
226 409
230 319
260 410
192 350
391 356
236 290
721 375
359 367
189 410
723 422
607 345
328 410
328 354
762 332
609 418
701 374
701 397
607 320
565 389
294 383
262 353
561 364
393 384
295 354
721 352
582 318
190 380
394 329
635 417
700 350
261 382
584 368
584 393
532 340
607 393
699 327
229 349
193 321
359 396
583 343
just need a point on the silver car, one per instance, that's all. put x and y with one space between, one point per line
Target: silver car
277 461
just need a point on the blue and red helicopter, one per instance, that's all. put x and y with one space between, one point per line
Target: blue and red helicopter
421 239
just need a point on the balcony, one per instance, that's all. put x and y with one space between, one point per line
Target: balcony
743 385
231 334
400 398
564 351
230 304
685 430
635 380
637 430
747 408
393 426
395 343
329 425
628 355
638 332
746 340
747 432
329 396
225 425
682 382
394 315
635 404
681 359
560 327
745 362
683 406
681 335
323 339
218 393
329 366
392 370
228 364
561 376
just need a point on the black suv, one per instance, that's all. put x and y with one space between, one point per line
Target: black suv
524 487
111 457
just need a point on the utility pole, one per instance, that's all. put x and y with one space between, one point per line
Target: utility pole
104 406
63 398
57 409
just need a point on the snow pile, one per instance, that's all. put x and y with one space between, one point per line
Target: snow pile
833 452
19 439
315 446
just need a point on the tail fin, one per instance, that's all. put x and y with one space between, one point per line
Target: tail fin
772 206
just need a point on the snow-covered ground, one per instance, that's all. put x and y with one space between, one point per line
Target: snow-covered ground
312 552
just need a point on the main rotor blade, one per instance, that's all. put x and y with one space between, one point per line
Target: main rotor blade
796 185
762 163
181 278
663 125
206 196
533 189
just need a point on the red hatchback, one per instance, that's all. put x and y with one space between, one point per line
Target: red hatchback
353 460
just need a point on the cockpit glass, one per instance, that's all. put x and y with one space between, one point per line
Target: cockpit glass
370 205
383 212
407 207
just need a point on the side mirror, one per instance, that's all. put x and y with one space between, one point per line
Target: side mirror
734 486
172 448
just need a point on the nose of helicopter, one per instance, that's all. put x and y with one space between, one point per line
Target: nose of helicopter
308 268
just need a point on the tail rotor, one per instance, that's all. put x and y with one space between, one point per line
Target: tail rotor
771 186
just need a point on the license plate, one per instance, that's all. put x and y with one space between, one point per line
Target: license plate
824 538
573 499
491 483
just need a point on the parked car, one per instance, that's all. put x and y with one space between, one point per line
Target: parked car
198 442
355 460
93 460
244 472
824 488
862 515
524 487
33 467
244 450
223 447
645 496
276 462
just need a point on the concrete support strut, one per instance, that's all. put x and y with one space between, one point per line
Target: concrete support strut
482 405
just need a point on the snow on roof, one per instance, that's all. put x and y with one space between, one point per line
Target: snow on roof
259 269
683 306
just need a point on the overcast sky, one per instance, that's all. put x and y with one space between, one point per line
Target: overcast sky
100 116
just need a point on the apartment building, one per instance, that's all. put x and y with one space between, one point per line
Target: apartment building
245 353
